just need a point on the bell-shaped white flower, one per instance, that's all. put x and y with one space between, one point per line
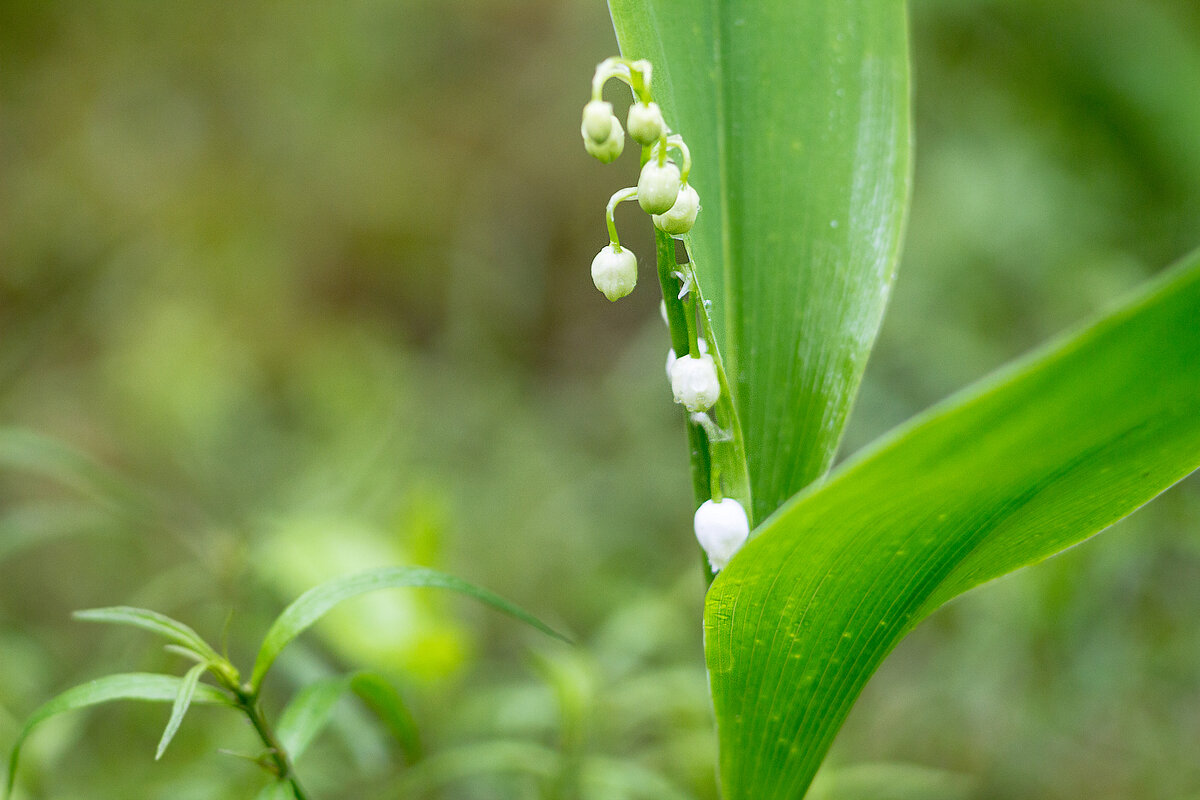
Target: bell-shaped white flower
694 382
614 271
722 527
701 345
645 123
608 150
680 218
597 121
658 186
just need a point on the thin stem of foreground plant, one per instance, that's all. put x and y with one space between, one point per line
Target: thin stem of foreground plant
249 706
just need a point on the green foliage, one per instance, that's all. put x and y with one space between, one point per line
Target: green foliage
130 686
187 692
800 117
1040 457
1031 461
309 711
154 622
316 602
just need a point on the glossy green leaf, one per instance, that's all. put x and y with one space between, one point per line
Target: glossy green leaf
154 622
797 114
183 701
1009 472
316 602
127 686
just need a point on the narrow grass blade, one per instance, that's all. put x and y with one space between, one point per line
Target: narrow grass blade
1027 463
154 622
183 701
128 686
316 602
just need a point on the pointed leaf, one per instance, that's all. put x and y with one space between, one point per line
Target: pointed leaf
183 700
127 686
797 114
154 622
308 713
1009 472
382 698
316 602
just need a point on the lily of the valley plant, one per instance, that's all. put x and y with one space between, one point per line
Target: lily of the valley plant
789 120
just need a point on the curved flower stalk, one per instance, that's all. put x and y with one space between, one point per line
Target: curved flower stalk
694 370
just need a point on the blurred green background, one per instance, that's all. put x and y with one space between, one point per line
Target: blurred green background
292 290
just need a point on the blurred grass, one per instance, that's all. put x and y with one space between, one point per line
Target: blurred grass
311 288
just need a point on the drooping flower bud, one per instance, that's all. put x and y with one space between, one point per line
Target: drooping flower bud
658 186
608 150
680 217
614 271
701 345
645 123
694 382
722 527
597 121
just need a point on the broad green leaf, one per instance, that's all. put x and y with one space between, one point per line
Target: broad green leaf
797 114
316 602
1026 463
127 686
154 622
183 700
311 709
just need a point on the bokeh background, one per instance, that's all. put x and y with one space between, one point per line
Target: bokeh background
292 290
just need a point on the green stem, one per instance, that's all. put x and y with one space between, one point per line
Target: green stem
730 455
249 705
611 210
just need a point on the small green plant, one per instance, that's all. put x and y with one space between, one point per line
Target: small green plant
307 713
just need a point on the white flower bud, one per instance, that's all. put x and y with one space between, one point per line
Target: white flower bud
645 123
597 121
614 271
701 345
608 150
680 217
658 186
722 527
694 382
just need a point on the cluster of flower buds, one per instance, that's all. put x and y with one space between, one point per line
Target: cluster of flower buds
662 190
721 523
